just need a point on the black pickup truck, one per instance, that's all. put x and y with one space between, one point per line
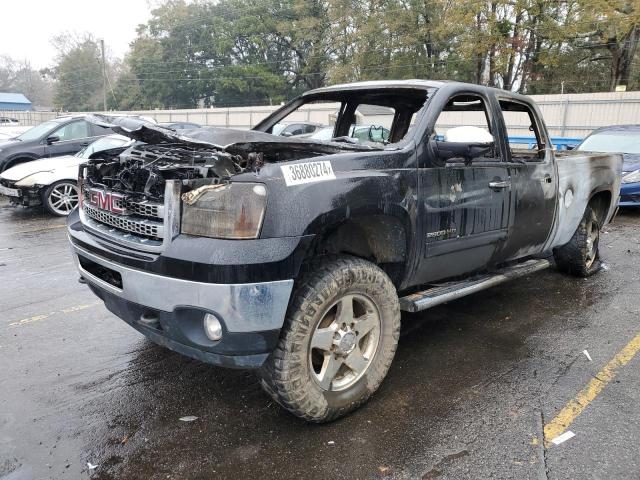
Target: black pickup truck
296 256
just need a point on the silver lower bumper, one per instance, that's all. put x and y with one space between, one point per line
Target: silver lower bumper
245 307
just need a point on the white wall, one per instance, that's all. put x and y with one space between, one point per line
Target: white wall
572 115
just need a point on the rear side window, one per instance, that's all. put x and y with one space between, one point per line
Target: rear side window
525 140
98 130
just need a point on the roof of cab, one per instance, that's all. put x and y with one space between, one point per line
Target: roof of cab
375 84
413 84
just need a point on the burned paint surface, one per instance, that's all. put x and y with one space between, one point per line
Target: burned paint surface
443 217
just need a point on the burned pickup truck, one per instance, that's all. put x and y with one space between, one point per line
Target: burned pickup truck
296 256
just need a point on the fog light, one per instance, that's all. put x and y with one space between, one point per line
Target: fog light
212 327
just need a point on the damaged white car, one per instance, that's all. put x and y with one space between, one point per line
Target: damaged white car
52 182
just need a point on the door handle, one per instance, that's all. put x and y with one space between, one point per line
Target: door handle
500 184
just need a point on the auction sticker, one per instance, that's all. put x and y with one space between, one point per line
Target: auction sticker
307 172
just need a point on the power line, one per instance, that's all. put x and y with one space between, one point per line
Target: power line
285 61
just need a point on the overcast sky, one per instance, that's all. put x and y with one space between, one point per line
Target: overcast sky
28 25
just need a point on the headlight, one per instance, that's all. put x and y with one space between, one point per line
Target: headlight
232 210
631 177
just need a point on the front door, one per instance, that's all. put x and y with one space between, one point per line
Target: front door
73 137
465 202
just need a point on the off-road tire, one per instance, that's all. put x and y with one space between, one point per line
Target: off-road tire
286 375
573 258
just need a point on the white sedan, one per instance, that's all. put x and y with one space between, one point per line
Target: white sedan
52 182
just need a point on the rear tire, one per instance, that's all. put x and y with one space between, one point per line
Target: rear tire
339 338
61 197
581 256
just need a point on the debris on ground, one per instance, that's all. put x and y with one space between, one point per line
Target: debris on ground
188 418
91 466
586 354
384 470
331 442
563 438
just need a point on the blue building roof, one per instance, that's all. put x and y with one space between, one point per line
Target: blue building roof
13 98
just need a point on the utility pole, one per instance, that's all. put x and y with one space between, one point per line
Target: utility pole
104 77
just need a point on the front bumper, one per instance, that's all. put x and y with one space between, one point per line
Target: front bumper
170 311
630 195
25 196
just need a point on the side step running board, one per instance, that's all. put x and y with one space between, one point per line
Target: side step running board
437 295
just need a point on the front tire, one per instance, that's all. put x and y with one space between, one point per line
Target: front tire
581 256
61 197
338 341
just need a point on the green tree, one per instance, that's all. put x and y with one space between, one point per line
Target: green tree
78 72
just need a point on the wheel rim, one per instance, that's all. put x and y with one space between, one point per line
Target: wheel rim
344 342
593 235
63 198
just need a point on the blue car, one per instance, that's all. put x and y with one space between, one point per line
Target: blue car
624 139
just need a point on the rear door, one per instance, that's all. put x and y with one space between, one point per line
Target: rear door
533 179
464 204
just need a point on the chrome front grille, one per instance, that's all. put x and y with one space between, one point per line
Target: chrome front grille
128 223
143 208
142 225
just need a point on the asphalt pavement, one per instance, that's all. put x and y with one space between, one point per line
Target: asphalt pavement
474 386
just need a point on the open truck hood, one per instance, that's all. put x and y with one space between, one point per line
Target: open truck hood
223 139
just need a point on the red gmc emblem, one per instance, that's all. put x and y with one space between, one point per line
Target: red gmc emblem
109 201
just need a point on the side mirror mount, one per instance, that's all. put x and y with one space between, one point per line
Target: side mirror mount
52 139
452 151
287 134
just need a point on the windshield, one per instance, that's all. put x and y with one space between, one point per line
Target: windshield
104 143
38 131
623 142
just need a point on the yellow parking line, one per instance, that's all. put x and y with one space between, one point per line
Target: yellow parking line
37 318
576 405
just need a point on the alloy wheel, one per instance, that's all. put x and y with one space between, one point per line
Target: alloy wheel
344 343
63 198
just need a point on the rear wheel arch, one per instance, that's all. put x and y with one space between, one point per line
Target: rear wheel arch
600 203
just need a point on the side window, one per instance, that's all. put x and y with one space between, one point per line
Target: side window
525 140
99 131
73 131
465 119
464 130
293 130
